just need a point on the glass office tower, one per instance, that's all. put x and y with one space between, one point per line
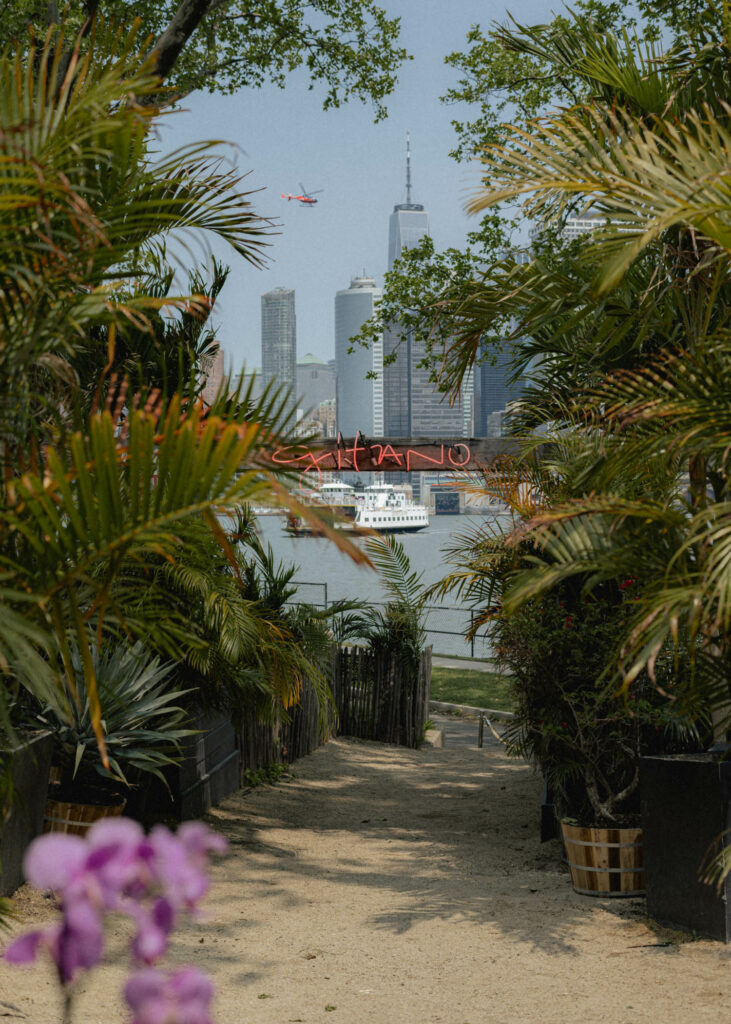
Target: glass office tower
279 343
407 225
412 406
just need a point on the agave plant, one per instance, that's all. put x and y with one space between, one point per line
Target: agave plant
143 719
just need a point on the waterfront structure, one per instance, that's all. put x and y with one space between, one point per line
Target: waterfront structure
279 342
360 372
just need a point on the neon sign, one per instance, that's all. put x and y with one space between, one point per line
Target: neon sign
358 455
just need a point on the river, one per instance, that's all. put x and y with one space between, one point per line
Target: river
325 574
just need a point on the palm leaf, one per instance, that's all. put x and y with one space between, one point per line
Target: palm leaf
640 178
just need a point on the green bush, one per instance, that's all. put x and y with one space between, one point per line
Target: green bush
571 723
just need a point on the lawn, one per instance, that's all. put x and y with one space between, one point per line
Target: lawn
468 686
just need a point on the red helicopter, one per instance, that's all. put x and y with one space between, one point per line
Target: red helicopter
305 198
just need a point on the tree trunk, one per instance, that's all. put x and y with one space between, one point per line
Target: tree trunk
184 22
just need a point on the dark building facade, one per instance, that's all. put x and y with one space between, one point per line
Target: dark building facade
493 391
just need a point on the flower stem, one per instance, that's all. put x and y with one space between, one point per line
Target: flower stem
67 1004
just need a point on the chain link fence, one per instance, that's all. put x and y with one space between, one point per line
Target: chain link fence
446 625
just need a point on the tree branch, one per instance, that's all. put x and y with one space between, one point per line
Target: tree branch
184 22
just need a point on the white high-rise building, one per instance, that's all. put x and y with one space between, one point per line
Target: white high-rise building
360 372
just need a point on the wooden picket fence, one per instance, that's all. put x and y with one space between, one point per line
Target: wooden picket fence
377 699
374 699
282 742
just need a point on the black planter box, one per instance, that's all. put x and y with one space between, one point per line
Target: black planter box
207 773
23 820
686 808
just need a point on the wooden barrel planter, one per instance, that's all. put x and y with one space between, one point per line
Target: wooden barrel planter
605 861
75 819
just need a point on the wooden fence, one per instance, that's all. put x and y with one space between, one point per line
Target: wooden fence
263 743
377 698
374 699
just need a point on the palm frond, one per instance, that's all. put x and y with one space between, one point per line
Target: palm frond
393 564
639 177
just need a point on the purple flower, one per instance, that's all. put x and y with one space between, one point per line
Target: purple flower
24 949
180 998
116 867
199 840
153 928
180 869
79 942
74 945
53 860
119 859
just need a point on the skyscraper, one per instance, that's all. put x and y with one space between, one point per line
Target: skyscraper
279 342
359 396
494 392
412 405
407 225
315 382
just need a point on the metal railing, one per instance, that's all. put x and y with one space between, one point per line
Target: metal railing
446 626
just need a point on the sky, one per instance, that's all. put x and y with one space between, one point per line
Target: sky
283 138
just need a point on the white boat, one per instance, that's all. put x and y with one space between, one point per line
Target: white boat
387 509
337 497
381 507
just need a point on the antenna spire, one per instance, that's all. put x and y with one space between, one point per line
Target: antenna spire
408 167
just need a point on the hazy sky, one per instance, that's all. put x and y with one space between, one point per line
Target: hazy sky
284 138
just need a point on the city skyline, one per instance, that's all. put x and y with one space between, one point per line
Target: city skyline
282 138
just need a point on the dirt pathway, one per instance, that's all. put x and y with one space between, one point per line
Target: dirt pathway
409 887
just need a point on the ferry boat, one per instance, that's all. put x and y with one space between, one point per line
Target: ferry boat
380 507
336 496
387 509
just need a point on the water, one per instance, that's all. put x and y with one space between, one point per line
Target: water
325 574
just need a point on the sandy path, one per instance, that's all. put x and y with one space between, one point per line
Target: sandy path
409 887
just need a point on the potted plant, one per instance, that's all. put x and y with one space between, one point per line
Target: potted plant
143 727
584 737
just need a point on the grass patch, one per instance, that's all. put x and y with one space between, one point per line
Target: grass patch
469 686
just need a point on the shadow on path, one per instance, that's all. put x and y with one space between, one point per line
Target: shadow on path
448 835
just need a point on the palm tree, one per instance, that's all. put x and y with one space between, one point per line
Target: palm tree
96 507
648 152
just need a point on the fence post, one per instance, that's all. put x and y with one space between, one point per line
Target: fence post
325 596
472 636
481 730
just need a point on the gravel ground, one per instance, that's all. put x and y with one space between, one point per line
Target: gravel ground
392 886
